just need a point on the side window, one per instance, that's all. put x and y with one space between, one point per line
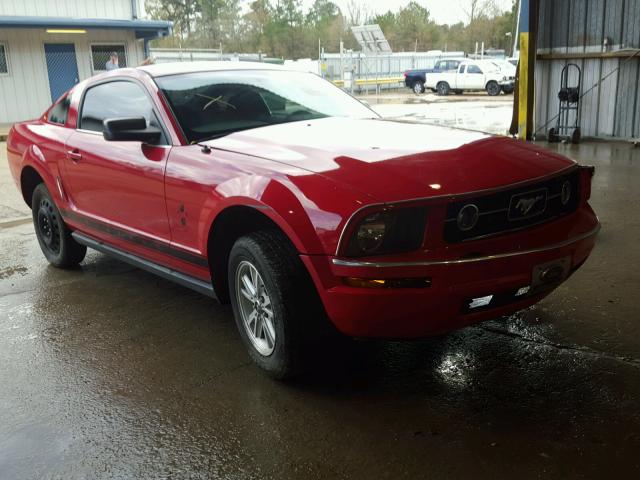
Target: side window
461 69
116 99
58 114
473 69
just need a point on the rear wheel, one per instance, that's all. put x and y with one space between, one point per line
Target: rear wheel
418 88
271 295
56 242
493 88
443 89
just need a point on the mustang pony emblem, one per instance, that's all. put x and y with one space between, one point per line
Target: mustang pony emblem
526 204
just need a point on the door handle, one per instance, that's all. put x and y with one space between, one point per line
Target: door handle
74 155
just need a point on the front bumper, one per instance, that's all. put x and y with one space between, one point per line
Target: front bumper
443 306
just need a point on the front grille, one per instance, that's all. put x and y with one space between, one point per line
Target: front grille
514 209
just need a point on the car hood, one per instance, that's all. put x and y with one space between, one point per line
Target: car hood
389 160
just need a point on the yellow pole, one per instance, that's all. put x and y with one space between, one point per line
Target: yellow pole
523 86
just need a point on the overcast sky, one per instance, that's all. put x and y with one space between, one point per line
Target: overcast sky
442 11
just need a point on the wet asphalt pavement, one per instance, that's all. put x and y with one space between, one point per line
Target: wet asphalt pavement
109 372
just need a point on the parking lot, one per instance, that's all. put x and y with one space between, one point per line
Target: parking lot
110 372
471 111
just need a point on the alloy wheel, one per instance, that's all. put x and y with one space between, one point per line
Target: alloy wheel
255 308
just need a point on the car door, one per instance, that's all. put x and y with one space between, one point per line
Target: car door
119 185
460 77
474 77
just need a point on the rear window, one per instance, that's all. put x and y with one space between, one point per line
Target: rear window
58 114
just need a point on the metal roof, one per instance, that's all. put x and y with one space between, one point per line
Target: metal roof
144 28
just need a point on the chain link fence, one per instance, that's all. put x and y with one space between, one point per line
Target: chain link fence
354 71
101 54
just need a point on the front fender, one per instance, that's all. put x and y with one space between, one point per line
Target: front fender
274 199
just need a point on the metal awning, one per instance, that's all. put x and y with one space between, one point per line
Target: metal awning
146 29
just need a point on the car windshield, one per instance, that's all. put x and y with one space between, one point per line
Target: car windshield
212 104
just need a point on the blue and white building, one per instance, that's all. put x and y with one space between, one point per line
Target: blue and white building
46 46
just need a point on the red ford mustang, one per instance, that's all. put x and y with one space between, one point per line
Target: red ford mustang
282 194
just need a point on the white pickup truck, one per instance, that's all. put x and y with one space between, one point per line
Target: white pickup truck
471 75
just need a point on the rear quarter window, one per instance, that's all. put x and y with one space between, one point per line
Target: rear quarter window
58 114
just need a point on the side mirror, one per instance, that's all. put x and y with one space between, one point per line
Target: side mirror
132 129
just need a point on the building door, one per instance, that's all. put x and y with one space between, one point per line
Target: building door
61 67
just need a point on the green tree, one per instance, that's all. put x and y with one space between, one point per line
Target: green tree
281 27
324 22
181 12
256 21
286 29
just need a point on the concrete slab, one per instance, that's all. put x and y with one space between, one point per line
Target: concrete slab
109 371
12 206
4 130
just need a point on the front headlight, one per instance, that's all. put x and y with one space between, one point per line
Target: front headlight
371 232
388 231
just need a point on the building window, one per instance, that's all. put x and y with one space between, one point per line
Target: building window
101 54
4 59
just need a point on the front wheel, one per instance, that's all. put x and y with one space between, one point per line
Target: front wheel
271 295
56 242
493 89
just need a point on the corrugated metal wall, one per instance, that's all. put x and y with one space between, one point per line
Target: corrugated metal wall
68 8
573 28
24 92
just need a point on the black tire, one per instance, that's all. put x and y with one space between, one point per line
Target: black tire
433 90
290 292
54 237
418 87
458 92
552 136
443 89
507 90
493 88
